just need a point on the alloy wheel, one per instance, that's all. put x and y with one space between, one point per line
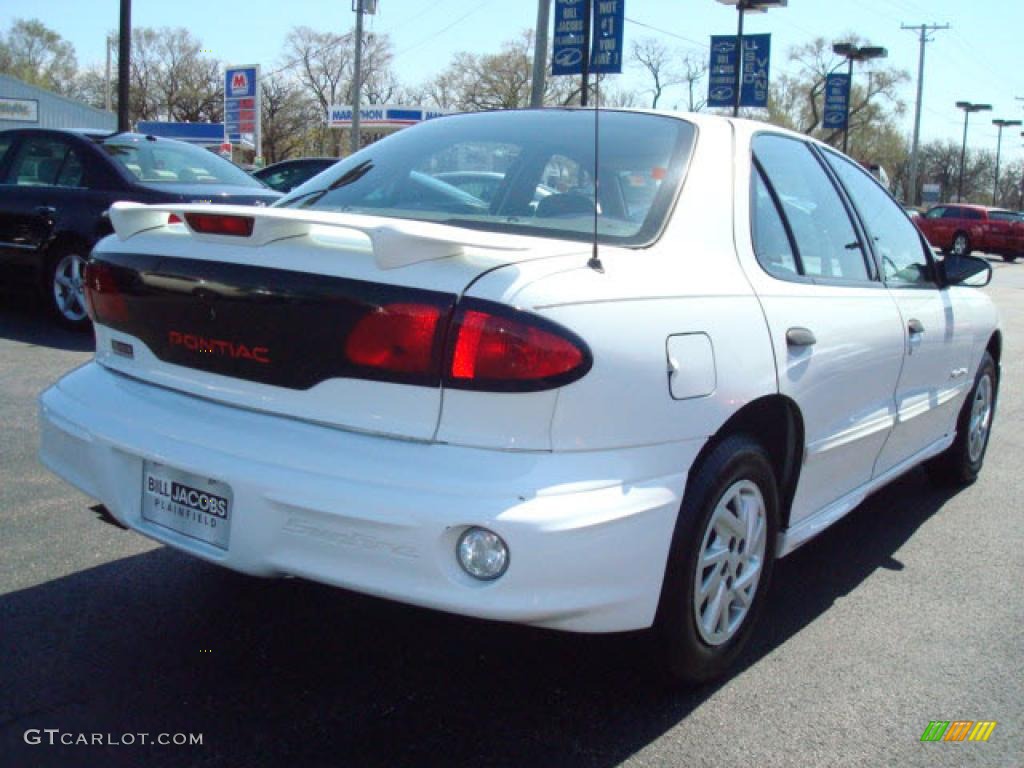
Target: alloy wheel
68 290
730 562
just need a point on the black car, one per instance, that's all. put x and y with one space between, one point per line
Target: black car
56 187
288 174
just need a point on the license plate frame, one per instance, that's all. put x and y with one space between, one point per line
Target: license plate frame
189 504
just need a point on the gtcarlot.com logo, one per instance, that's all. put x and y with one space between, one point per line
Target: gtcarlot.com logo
958 730
55 737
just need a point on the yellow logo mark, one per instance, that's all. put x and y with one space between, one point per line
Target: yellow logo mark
982 730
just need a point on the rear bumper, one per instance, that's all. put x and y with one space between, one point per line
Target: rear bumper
588 532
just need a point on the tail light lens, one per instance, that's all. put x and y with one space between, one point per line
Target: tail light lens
103 298
497 348
219 224
490 347
397 338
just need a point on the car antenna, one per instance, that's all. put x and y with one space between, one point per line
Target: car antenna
594 262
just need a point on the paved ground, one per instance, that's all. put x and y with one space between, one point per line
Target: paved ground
909 610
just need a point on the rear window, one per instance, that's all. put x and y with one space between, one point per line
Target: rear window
166 162
525 172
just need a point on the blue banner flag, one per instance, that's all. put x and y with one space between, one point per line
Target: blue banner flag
728 61
837 101
755 58
608 20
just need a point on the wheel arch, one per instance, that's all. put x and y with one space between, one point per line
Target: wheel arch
995 346
774 421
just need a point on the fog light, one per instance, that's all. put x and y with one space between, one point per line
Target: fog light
482 554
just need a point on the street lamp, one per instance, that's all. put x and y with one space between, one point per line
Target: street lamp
853 53
999 148
967 107
742 7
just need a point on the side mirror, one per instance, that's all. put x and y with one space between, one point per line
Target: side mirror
965 270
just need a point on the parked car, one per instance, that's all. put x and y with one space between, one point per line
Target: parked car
288 174
56 187
961 229
640 412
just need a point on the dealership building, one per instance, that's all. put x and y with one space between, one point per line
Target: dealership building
26 106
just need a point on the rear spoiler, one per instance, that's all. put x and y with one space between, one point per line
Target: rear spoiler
395 242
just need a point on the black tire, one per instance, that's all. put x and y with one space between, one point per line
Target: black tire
956 467
63 300
961 244
1009 258
684 655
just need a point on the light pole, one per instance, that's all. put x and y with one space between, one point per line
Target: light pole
742 7
853 53
999 148
124 71
967 107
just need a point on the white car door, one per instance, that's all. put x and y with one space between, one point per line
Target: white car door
937 335
836 331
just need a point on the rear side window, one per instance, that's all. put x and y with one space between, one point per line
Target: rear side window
827 244
1003 216
895 239
771 242
38 162
6 139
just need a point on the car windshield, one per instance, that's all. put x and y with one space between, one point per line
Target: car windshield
166 162
525 172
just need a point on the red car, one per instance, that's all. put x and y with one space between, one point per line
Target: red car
961 229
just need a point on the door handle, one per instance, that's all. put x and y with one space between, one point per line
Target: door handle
915 326
800 337
46 211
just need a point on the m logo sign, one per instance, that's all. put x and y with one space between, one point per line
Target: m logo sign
958 730
239 84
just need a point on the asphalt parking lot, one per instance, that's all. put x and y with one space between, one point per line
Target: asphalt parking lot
909 610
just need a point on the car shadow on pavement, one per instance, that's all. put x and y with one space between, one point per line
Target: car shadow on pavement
293 673
24 319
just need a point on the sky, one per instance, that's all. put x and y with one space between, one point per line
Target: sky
978 59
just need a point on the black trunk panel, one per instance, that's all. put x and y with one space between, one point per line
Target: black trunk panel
272 326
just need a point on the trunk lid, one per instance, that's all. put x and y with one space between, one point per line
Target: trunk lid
262 321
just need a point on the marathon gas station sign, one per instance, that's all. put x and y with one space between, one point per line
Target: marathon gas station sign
383 117
242 105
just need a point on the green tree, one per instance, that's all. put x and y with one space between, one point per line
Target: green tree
36 54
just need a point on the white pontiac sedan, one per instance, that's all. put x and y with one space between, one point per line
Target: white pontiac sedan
388 384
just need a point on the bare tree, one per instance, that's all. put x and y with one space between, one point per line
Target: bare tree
657 59
694 70
291 119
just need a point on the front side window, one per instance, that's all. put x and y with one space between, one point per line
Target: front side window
520 172
895 239
827 244
953 213
935 213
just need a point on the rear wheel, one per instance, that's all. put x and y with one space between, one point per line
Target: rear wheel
1010 257
63 289
960 463
961 244
720 562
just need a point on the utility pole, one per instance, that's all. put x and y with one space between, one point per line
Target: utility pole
357 73
106 82
922 30
124 72
540 54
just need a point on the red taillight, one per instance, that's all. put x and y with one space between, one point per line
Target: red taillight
174 219
103 298
220 224
399 338
506 350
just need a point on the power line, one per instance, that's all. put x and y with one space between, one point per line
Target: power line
668 34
